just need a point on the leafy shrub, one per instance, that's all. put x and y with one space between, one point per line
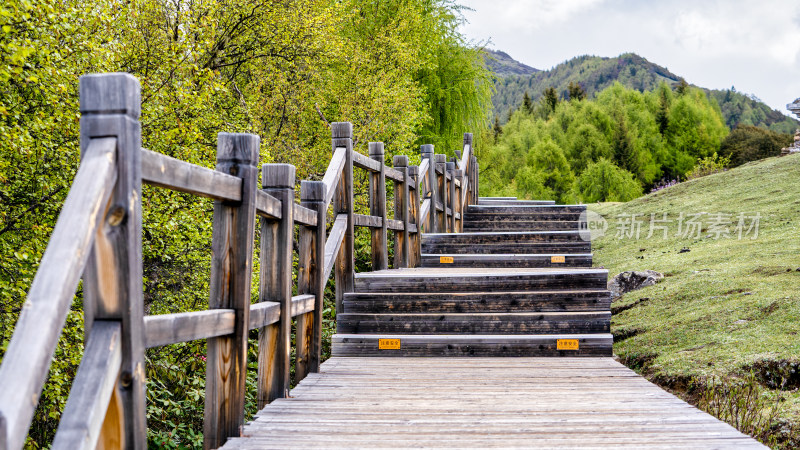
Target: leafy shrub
603 181
709 165
748 143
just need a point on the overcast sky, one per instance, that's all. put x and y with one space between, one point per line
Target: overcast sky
753 45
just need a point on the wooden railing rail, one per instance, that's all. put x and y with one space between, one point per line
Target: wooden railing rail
99 235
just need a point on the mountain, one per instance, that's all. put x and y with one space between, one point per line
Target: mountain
596 73
504 65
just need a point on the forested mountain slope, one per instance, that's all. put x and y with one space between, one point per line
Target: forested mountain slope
595 73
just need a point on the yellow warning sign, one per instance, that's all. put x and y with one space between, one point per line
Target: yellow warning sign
566 344
557 259
389 344
446 260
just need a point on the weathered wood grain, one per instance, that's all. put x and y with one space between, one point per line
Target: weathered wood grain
334 242
263 314
374 222
377 208
304 216
165 329
231 267
267 206
167 172
368 163
312 195
90 396
469 302
342 137
505 260
414 219
430 192
401 213
275 284
27 358
333 174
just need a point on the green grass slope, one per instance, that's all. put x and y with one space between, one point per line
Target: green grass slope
728 308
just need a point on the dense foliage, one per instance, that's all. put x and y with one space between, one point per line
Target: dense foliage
748 143
594 74
399 70
610 148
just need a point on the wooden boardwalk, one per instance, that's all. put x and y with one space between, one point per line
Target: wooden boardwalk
482 403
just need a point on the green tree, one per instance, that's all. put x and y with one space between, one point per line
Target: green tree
603 181
748 143
527 104
576 91
550 100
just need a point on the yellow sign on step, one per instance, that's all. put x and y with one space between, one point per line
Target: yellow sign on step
445 260
389 344
557 259
566 344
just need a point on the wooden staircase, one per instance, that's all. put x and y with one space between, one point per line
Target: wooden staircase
517 282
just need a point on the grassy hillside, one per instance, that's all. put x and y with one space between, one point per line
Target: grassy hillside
595 73
728 310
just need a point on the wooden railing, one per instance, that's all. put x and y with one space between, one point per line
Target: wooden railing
98 236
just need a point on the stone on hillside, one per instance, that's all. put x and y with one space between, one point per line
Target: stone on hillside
631 281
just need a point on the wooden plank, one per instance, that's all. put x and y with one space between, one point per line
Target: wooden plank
367 163
304 216
442 193
167 172
377 208
267 206
263 314
401 213
165 329
112 279
332 175
362 220
424 211
302 304
92 389
394 174
333 243
431 195
231 276
275 284
424 168
312 195
415 240
342 137
304 323
27 358
465 302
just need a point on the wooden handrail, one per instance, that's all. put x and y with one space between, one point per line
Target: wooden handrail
27 358
98 234
167 172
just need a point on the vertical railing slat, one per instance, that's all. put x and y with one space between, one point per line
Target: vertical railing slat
414 203
312 196
231 276
401 243
275 284
377 207
344 274
426 152
110 106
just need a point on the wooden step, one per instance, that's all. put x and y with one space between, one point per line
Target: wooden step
464 302
496 198
524 209
476 323
462 345
506 260
484 279
516 202
539 242
521 225
521 216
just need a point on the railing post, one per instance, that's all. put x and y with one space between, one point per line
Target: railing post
344 273
312 196
112 279
414 238
231 264
473 170
450 167
459 197
426 152
275 284
401 205
377 207
441 193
